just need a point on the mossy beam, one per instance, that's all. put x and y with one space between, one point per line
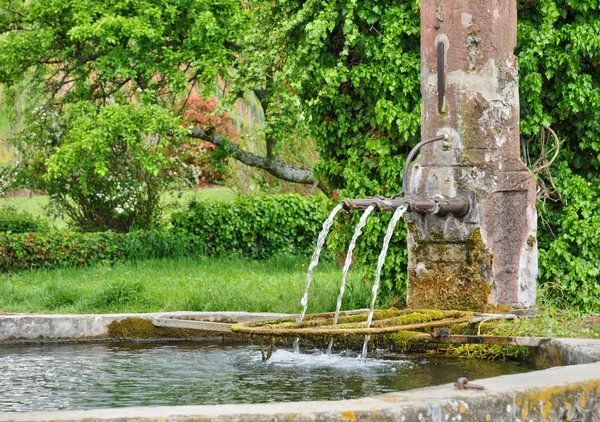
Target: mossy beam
244 328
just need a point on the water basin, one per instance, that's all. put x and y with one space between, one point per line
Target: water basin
110 375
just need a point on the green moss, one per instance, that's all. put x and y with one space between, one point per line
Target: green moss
411 318
405 338
463 286
491 352
139 328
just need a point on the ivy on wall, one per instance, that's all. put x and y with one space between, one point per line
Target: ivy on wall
356 67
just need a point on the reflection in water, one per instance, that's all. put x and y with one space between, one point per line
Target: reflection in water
86 376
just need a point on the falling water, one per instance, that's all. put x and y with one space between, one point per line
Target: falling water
313 263
357 233
386 242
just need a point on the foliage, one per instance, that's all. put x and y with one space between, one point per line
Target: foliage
355 66
559 51
95 91
154 53
569 260
51 250
88 51
12 221
108 167
256 227
210 162
192 284
8 178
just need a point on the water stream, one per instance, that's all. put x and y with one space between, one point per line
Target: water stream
380 261
313 263
357 232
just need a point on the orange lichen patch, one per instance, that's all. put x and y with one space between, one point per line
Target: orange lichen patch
348 415
525 411
463 407
547 401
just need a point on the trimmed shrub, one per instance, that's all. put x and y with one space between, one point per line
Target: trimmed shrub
51 250
12 221
255 227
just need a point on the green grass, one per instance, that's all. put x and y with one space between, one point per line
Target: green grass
170 201
552 323
34 205
547 323
203 284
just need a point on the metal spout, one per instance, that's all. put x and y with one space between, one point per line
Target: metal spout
458 206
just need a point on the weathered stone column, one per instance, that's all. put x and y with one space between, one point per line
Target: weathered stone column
470 93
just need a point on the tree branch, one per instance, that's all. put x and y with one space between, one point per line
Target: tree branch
272 165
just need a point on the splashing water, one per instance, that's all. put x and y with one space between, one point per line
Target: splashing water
386 242
313 263
357 233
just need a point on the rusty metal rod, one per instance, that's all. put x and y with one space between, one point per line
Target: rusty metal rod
457 206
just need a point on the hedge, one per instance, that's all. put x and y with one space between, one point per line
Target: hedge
250 227
12 221
51 250
255 227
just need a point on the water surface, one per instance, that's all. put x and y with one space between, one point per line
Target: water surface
87 376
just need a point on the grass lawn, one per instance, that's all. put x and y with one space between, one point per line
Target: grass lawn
203 284
170 201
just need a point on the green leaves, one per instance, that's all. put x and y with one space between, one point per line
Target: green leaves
255 227
113 164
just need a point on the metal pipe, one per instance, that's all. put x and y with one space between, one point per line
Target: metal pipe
457 206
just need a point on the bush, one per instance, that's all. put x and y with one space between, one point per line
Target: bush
254 226
12 221
51 250
104 168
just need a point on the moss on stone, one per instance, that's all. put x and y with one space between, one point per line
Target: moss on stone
463 289
140 328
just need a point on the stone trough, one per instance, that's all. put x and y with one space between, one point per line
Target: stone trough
569 392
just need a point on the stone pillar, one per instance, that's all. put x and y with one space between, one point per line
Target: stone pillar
470 93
